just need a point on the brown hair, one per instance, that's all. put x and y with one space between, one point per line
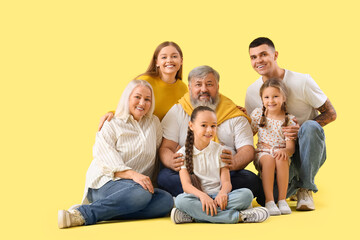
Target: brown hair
189 147
152 70
275 83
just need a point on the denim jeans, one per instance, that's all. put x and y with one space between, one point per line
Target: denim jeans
309 156
239 199
169 180
125 199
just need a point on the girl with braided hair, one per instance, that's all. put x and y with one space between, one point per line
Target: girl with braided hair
273 148
206 181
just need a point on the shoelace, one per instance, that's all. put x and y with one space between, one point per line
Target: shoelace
250 216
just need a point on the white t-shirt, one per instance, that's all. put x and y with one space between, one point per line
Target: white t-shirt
233 133
304 96
207 164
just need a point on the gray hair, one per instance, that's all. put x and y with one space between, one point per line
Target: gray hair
122 110
202 72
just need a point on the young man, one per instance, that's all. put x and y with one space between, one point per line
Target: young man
305 101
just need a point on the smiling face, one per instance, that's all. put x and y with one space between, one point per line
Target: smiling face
204 91
204 127
140 102
168 61
263 60
273 99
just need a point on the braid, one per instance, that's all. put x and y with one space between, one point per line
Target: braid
263 118
189 151
189 147
286 122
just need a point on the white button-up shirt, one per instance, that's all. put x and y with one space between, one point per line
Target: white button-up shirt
123 144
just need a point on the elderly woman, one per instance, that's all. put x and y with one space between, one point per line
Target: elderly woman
118 184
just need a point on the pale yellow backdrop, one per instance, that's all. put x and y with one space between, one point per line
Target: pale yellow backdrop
63 64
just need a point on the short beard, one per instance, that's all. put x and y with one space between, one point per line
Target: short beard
212 103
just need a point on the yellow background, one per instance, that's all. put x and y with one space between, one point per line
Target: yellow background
63 64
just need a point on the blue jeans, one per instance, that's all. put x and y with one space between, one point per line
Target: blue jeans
239 199
125 199
309 156
169 180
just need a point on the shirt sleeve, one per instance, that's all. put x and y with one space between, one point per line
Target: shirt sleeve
108 158
170 125
255 117
313 94
182 151
242 132
222 164
159 132
291 123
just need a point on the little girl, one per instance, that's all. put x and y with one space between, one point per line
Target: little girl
206 182
273 149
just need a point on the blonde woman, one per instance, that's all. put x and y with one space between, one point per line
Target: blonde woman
118 181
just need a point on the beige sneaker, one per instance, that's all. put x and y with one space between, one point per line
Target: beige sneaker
70 218
305 200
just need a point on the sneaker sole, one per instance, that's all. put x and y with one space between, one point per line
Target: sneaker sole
172 215
304 208
63 219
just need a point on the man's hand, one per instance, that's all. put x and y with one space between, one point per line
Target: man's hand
106 117
227 158
178 161
291 132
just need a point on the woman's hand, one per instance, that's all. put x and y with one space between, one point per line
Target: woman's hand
281 155
242 109
221 200
208 204
144 181
107 117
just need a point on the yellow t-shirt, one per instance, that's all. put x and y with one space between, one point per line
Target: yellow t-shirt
166 95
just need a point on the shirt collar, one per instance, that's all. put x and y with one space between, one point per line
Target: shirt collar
208 149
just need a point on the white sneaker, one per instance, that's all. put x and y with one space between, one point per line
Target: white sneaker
305 200
273 209
178 216
284 207
254 215
70 218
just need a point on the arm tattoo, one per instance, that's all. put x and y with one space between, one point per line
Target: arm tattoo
327 113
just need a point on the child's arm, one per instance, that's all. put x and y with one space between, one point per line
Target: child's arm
207 202
222 198
285 153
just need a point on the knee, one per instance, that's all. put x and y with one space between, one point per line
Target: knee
244 195
165 200
139 197
310 128
182 200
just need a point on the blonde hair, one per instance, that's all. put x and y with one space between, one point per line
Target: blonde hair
122 110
